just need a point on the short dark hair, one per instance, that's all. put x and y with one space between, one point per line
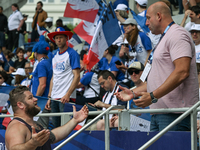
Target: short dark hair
40 3
59 20
19 50
105 74
1 7
15 5
17 95
4 75
112 49
195 9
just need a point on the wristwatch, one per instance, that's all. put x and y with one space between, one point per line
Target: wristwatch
153 99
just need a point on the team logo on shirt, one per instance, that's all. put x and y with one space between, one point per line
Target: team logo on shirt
60 66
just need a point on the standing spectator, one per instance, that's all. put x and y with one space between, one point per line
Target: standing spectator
39 17
50 27
3 29
15 22
172 81
139 41
22 32
108 62
59 23
66 73
43 72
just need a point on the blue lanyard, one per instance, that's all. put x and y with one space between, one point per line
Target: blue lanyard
111 98
167 28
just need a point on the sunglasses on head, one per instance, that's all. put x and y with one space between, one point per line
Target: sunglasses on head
135 71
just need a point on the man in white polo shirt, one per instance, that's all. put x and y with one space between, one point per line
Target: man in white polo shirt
66 73
15 22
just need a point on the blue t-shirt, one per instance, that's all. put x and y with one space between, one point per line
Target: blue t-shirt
50 56
43 69
112 67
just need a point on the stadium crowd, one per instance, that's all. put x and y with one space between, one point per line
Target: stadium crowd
49 67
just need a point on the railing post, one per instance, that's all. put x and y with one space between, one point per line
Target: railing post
107 132
193 120
65 118
124 120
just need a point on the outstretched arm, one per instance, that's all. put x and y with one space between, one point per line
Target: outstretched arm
63 131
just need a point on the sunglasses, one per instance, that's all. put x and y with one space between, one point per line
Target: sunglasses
135 71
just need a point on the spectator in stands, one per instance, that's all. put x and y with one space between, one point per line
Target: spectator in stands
15 22
43 72
170 78
20 75
91 87
3 78
39 17
24 133
121 10
139 41
8 55
117 2
108 62
28 71
59 23
107 81
20 62
194 14
3 29
195 33
28 53
22 32
66 73
49 26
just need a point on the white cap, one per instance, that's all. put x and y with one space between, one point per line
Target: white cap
195 27
49 20
20 71
142 2
121 7
129 21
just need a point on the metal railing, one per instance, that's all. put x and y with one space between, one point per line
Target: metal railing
124 122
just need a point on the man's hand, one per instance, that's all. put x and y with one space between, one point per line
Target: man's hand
187 12
144 100
112 120
40 138
81 115
65 99
125 94
48 105
98 104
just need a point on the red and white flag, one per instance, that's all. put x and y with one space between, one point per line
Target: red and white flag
86 29
82 9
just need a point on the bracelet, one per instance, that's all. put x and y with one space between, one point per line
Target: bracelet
49 96
133 94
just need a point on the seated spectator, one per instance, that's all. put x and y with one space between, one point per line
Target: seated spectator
20 62
8 55
92 88
28 53
28 71
20 75
139 42
3 78
107 81
49 26
108 62
194 14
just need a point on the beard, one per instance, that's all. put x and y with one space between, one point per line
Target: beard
31 111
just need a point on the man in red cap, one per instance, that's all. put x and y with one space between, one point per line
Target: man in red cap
66 73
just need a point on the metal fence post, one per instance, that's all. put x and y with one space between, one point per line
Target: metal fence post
124 120
193 120
107 132
65 118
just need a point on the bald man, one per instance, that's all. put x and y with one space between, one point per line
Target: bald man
172 81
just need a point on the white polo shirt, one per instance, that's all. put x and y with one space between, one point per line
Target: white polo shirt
14 20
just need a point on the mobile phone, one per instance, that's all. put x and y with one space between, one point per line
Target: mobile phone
118 62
